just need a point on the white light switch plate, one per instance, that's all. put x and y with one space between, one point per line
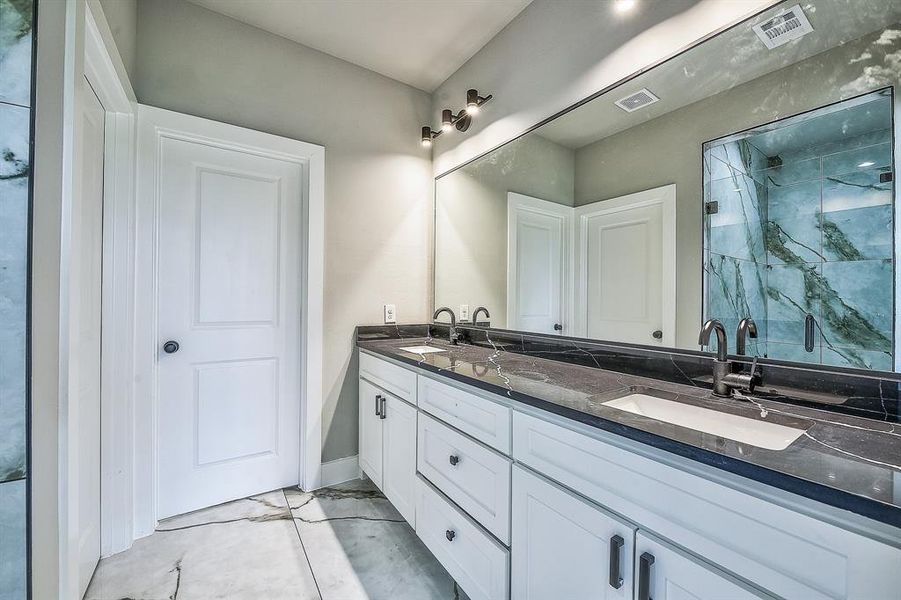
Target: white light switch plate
390 314
464 312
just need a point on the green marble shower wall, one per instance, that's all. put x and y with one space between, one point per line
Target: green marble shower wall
803 225
16 18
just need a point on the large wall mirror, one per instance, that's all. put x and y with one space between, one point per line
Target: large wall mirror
750 176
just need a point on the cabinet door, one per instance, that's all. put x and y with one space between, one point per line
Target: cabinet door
371 432
565 547
665 573
399 458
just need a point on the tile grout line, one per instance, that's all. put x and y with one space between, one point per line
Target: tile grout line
303 547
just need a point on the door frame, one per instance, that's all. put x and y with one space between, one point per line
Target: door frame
665 196
517 203
154 125
104 70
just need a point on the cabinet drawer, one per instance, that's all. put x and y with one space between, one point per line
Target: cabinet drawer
478 563
483 419
397 380
786 552
472 475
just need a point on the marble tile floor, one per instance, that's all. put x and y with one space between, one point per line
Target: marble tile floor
344 542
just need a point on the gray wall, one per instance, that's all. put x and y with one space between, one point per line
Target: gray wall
122 17
471 219
378 177
668 149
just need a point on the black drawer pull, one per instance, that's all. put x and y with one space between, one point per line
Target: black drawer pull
450 534
644 575
454 459
383 412
616 546
378 405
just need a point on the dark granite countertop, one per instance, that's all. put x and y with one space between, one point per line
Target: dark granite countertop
841 460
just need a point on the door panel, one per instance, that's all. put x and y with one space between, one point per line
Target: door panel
371 431
626 265
399 457
85 283
537 246
229 277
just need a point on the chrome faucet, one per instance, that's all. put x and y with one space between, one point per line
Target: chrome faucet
475 314
454 337
747 328
724 380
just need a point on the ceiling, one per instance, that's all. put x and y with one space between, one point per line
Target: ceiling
723 62
419 43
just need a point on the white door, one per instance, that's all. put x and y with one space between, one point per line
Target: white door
665 573
229 276
626 257
84 342
370 406
538 238
399 457
564 547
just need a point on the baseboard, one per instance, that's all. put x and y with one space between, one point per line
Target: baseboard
341 470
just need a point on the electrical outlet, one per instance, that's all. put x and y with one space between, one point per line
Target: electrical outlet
464 312
390 314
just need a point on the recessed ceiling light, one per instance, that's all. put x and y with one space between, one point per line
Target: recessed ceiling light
622 6
864 165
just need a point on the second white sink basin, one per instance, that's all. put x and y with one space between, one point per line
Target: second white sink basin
421 349
762 434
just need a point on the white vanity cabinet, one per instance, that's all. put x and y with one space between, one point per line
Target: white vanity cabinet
388 446
566 547
516 502
663 572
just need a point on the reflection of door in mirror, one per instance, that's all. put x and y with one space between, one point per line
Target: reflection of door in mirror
798 233
538 249
626 268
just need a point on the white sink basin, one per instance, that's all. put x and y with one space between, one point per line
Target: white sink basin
762 434
421 349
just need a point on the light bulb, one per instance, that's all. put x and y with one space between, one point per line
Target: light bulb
446 127
472 109
622 6
426 143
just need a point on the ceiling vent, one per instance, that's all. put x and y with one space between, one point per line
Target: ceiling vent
788 25
639 99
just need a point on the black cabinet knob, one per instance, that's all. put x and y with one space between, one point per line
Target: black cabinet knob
657 335
171 347
454 459
450 534
558 327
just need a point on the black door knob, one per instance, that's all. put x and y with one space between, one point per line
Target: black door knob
171 347
454 459
657 334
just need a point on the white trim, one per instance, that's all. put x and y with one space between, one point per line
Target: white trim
520 203
153 125
340 470
106 75
665 196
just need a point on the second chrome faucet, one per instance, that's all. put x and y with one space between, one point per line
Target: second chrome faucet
729 376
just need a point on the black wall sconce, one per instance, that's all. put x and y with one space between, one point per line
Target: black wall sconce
460 120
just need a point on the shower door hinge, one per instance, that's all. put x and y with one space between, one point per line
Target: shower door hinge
885 177
711 208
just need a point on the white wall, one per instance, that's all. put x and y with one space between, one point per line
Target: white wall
378 177
555 53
